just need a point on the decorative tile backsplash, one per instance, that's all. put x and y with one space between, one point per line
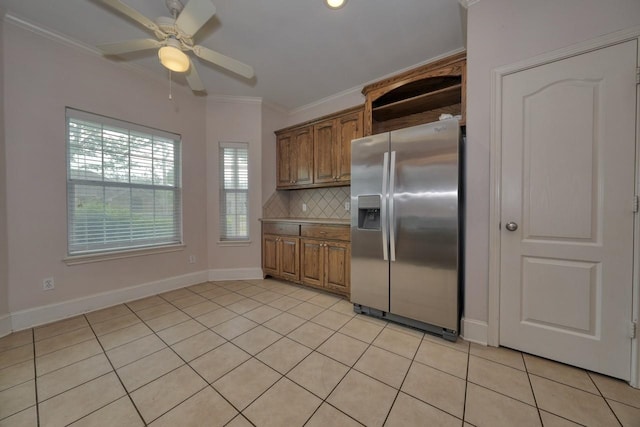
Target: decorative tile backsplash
277 206
320 203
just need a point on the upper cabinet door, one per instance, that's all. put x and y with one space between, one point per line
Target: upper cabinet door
318 153
303 148
285 161
324 152
349 127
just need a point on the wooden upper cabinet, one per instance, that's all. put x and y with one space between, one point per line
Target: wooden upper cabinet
303 147
318 153
350 126
332 147
294 158
324 152
417 96
285 161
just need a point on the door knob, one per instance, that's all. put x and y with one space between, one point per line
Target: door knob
511 226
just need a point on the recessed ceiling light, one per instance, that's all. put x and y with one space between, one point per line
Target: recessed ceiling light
335 4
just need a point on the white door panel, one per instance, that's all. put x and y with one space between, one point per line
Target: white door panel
568 168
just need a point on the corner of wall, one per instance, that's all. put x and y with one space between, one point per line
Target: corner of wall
5 324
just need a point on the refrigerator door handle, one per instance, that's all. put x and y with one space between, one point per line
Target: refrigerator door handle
383 205
392 213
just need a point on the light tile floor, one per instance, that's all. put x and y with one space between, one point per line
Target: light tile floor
268 353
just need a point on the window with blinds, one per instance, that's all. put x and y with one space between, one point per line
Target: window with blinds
123 185
234 191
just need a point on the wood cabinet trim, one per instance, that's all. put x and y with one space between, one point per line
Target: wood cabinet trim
321 119
431 69
453 66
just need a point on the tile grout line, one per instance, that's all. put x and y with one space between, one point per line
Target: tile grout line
405 374
185 364
348 370
535 400
204 379
605 400
35 376
117 376
466 386
284 375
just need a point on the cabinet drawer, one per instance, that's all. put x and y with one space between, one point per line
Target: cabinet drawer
281 228
333 232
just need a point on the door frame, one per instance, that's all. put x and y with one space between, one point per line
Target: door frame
498 74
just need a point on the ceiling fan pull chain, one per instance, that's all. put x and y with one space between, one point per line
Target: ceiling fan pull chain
170 85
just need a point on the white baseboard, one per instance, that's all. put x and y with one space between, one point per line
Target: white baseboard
49 313
235 274
475 331
5 325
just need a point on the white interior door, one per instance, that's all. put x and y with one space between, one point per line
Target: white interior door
568 168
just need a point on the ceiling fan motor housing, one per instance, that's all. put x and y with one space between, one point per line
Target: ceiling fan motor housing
168 29
175 6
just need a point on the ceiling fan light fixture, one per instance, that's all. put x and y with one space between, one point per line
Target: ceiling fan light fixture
174 59
335 4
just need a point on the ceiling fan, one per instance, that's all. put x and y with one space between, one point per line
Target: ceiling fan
174 37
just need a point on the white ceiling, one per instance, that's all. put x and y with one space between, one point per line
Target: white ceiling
301 50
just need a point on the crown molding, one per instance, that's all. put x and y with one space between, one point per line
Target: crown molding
232 99
49 34
467 3
358 88
57 37
329 98
275 107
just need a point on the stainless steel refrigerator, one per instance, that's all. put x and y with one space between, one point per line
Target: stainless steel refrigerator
406 226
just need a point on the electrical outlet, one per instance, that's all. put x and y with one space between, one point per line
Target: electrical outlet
304 207
347 206
192 259
48 284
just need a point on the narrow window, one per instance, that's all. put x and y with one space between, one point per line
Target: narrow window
234 191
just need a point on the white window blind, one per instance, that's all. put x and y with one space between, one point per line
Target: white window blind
123 185
234 191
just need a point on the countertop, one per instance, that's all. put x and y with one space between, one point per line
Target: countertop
309 220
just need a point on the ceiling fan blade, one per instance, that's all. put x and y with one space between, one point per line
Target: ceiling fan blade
194 15
129 46
132 13
224 61
193 78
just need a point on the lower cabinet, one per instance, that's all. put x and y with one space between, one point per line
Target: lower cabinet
281 256
326 264
321 257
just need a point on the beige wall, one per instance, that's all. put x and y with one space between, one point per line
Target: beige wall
234 120
272 120
329 105
4 288
43 77
502 32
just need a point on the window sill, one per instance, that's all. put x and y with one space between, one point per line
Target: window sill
234 243
129 253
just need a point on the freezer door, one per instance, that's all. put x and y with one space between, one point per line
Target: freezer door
424 223
369 234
